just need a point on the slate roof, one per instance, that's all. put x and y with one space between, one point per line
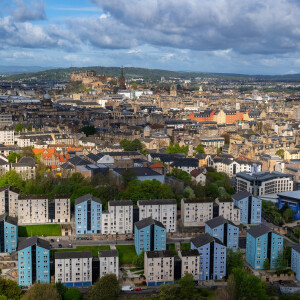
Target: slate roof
157 254
196 200
120 203
293 195
108 253
157 202
35 240
241 195
86 198
73 254
190 252
215 222
262 176
204 239
296 247
146 222
259 230
143 171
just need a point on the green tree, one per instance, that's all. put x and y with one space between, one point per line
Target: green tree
13 157
234 260
12 178
219 151
182 175
280 153
61 289
42 291
135 145
266 264
188 192
3 297
10 289
73 294
19 127
88 130
213 190
169 292
199 149
248 287
127 176
288 214
106 288
187 287
27 151
280 263
175 148
29 127
138 261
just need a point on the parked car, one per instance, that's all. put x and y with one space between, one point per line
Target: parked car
50 246
129 239
70 246
59 245
127 288
57 240
52 240
138 289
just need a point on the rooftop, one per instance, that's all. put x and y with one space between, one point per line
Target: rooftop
73 254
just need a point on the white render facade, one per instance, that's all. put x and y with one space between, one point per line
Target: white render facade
109 262
7 137
74 268
190 261
229 211
195 212
164 210
9 201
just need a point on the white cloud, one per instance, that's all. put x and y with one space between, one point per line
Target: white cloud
34 10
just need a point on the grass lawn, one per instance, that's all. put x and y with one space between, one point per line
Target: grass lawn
126 254
205 293
183 246
94 249
40 230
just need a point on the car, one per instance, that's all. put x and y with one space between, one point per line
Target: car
50 246
57 240
59 245
129 239
70 246
138 289
52 240
127 288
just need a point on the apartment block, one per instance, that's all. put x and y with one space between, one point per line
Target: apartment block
190 262
164 210
74 269
228 210
149 235
212 251
250 207
9 200
8 233
195 212
263 183
159 267
7 136
262 243
295 260
224 230
88 214
33 261
38 209
109 262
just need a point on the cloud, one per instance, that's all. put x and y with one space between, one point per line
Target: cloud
28 11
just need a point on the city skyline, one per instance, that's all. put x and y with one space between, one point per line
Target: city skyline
199 36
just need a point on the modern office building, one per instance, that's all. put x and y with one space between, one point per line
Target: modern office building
74 269
195 212
263 183
149 235
263 243
295 260
212 251
292 199
38 209
250 207
88 214
8 233
163 210
224 230
33 261
109 262
159 267
190 263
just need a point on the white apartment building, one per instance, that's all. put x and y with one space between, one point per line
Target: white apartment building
25 167
164 210
263 183
74 268
7 137
190 262
36 209
109 262
229 211
159 267
118 218
195 212
9 201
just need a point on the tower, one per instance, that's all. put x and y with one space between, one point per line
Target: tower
122 80
173 90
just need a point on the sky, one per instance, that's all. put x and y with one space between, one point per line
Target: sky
222 36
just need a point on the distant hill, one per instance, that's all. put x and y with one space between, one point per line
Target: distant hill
21 69
63 74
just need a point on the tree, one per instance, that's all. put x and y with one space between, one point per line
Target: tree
280 153
267 127
169 292
175 148
234 260
29 127
27 151
106 288
187 287
127 176
200 149
135 145
138 261
288 214
213 190
19 127
88 130
13 157
61 289
188 192
10 289
12 178
182 175
73 294
219 151
42 291
266 264
280 263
